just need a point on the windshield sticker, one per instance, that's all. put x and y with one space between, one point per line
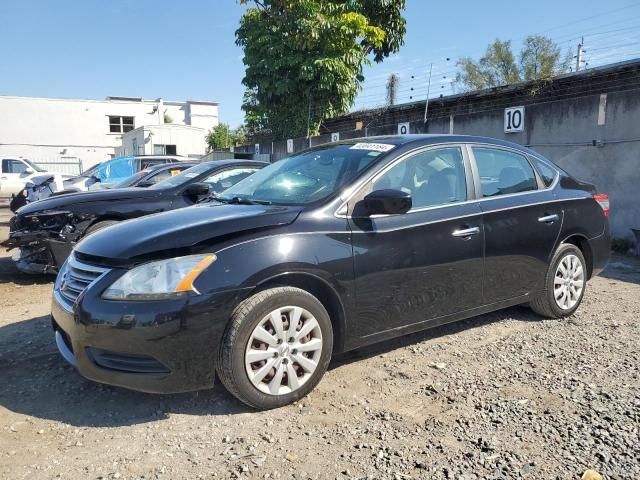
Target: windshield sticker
378 147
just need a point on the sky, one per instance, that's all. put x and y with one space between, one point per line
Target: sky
185 50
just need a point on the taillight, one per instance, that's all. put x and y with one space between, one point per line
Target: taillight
603 201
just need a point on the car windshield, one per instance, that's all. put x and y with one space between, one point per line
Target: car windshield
90 172
308 177
35 166
183 177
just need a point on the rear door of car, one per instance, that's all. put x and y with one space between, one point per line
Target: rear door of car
414 268
522 221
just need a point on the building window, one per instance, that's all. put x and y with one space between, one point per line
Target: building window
120 124
159 149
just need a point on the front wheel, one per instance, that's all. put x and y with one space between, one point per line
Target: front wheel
565 283
276 347
99 226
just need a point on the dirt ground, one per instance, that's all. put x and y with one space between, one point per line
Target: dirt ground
505 395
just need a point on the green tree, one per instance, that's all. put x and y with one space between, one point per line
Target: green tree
496 67
539 58
220 137
304 58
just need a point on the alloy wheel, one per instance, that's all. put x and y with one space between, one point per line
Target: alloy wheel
283 351
568 282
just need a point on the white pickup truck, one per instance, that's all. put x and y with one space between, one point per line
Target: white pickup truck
16 172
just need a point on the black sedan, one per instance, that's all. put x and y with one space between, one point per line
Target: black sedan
45 231
336 247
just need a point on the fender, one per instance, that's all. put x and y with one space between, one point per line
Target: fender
320 262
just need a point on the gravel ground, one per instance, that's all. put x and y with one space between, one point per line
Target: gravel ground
505 395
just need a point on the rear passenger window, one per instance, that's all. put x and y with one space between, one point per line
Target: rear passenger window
503 172
547 173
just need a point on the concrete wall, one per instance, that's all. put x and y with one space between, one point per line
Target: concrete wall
586 122
46 129
564 131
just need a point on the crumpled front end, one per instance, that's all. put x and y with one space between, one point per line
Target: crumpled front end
43 239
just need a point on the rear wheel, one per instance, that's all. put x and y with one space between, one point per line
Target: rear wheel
565 283
276 348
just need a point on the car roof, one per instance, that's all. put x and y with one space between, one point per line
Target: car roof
428 139
169 166
235 161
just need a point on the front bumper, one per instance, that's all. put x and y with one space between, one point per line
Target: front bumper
38 253
155 347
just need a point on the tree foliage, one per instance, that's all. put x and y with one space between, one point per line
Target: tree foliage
222 137
539 58
304 58
542 58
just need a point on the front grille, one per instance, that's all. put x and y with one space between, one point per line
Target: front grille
125 362
76 277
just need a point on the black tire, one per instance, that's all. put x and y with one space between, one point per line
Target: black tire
99 226
545 304
245 318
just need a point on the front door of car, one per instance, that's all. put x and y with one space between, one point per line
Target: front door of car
13 176
522 223
425 264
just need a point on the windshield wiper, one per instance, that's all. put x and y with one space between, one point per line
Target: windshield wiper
241 201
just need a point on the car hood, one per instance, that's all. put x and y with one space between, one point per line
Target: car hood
181 229
40 178
61 202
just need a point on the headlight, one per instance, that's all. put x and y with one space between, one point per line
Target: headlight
162 279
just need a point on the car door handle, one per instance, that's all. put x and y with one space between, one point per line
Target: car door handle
466 232
549 218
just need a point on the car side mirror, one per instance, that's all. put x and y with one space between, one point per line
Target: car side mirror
197 190
29 170
145 184
388 202
96 179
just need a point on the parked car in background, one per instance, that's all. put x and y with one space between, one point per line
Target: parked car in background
153 174
16 172
115 170
333 248
45 187
45 231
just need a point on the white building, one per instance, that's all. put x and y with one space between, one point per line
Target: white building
50 130
165 139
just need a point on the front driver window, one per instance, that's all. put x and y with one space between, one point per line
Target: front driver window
432 177
15 166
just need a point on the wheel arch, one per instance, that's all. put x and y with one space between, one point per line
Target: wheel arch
320 289
103 218
582 243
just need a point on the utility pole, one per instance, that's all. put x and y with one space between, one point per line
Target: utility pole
579 54
426 105
309 120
